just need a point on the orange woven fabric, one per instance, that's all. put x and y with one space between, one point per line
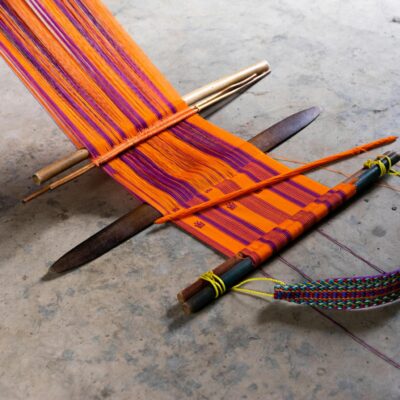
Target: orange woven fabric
274 240
276 179
103 91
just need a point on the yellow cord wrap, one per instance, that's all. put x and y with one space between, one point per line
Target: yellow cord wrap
256 293
215 281
381 165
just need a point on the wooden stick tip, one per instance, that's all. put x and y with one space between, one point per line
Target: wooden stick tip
186 308
180 297
36 179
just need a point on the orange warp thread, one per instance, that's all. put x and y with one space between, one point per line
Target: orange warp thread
276 179
108 97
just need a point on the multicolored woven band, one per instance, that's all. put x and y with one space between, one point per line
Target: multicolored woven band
344 293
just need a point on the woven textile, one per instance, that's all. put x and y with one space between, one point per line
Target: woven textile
344 293
102 90
294 225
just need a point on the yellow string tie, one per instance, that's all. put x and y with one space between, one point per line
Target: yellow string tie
215 281
256 293
384 170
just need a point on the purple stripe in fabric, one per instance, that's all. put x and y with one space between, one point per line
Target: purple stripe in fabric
223 228
325 202
57 111
91 69
270 243
142 165
240 221
331 204
95 46
126 57
286 196
60 90
248 232
264 209
180 190
284 232
233 156
79 89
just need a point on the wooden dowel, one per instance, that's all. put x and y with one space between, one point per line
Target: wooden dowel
59 166
239 270
59 182
207 95
239 267
199 284
259 68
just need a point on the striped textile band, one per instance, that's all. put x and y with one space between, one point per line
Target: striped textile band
344 293
293 226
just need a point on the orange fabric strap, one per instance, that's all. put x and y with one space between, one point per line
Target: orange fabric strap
276 179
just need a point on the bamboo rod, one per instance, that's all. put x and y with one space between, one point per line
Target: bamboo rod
59 182
204 96
259 68
55 168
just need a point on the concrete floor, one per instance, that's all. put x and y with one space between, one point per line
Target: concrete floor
112 329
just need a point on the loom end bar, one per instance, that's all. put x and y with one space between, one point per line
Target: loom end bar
232 277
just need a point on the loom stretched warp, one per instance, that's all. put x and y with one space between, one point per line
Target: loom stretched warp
102 89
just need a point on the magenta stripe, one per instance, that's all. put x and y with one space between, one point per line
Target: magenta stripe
91 69
96 47
47 99
233 156
223 229
79 89
247 231
143 166
60 90
126 57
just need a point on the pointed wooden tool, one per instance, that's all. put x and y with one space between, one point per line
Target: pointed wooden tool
143 216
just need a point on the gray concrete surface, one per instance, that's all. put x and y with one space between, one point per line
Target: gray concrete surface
112 329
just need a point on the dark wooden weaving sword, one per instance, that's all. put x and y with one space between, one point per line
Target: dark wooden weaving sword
144 215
